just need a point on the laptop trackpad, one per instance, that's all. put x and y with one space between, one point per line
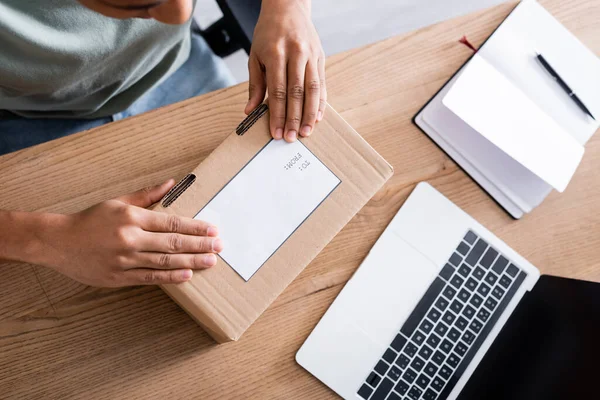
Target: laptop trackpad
390 282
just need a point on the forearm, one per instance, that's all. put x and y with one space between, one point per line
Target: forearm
22 233
266 4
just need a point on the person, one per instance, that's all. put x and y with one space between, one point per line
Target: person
68 66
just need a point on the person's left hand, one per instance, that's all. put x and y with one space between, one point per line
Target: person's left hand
287 60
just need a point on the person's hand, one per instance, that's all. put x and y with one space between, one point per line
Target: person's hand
120 243
287 60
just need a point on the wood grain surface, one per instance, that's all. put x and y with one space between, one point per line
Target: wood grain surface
60 339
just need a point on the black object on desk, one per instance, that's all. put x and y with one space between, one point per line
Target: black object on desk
563 84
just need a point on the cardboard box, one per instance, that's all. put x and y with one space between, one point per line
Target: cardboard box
225 302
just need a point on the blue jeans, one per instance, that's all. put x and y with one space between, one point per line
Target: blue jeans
203 72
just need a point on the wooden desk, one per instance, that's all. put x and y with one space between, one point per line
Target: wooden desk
60 339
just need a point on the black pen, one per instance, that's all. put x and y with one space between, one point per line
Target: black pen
563 84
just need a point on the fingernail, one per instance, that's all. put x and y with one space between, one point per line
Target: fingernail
210 260
212 231
306 130
319 115
291 135
278 133
217 245
187 274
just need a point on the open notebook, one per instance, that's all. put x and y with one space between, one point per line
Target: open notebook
505 120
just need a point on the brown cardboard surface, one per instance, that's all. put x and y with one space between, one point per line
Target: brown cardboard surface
223 303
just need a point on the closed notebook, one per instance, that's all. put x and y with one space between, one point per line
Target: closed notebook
505 120
276 205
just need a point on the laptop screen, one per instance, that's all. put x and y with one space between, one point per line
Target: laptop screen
548 349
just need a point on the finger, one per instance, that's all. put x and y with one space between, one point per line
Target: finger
158 222
312 87
277 88
176 261
323 91
295 98
176 243
143 276
146 197
256 86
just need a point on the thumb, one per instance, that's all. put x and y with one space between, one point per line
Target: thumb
256 86
147 196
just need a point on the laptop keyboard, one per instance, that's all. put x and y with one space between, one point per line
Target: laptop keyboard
447 327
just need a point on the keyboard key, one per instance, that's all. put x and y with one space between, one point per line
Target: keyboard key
414 393
426 326
500 264
471 284
456 306
445 372
453 335
490 303
365 391
463 248
464 295
468 337
381 367
429 395
505 281
434 314
373 379
431 369
394 373
410 349
512 270
491 278
402 361
461 349
456 281
483 289
478 273
455 259
383 390
416 316
437 384
483 314
394 396
498 292
441 329
476 252
446 346
442 303
425 352
449 292
476 301
433 340
401 387
453 360
468 312
448 317
447 271
488 258
438 357
398 342
409 376
423 381
417 364
461 323
470 237
418 337
476 326
390 355
464 270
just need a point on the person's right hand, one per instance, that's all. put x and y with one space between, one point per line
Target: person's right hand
120 243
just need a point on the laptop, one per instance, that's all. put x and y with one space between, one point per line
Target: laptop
443 309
